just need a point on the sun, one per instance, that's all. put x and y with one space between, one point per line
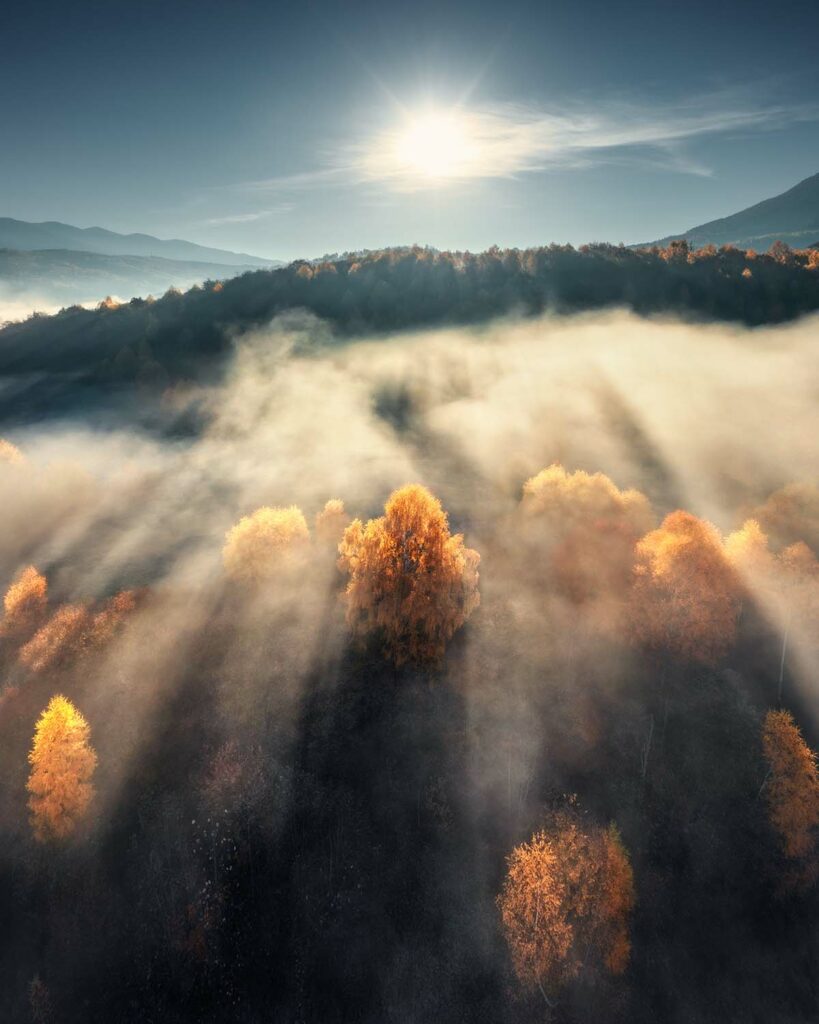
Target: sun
435 145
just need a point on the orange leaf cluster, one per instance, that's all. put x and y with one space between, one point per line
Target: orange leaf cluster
410 580
686 593
582 497
62 766
593 526
74 629
331 522
793 786
10 453
257 545
59 635
25 601
567 893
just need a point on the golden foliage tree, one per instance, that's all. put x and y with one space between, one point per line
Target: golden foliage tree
258 543
331 522
104 623
76 629
568 894
686 593
25 601
10 453
62 766
791 514
56 639
579 497
748 551
786 584
592 527
792 788
410 579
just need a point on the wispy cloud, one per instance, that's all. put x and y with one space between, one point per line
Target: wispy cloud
244 218
505 141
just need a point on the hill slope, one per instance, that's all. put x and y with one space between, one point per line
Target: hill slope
186 337
55 277
791 217
26 236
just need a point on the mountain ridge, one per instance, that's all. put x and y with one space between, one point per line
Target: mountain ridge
791 217
33 236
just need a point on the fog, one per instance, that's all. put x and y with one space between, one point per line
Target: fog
541 694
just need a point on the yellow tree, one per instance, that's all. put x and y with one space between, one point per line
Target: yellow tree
259 543
410 580
787 584
567 897
748 551
792 789
57 639
10 453
25 602
62 766
799 596
331 522
589 525
686 593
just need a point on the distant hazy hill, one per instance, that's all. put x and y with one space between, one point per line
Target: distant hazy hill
792 217
54 277
25 236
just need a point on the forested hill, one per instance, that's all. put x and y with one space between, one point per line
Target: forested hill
155 343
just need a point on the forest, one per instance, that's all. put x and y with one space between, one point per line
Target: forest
133 352
415 636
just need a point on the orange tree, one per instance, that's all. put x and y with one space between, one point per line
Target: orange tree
567 897
62 765
409 579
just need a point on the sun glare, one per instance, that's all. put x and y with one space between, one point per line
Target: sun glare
435 145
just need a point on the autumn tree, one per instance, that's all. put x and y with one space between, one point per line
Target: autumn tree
106 621
261 542
686 593
10 453
62 766
791 514
331 522
58 638
76 629
25 602
785 584
800 572
748 550
588 526
410 580
566 902
792 790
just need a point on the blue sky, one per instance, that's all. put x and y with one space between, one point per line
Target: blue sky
273 128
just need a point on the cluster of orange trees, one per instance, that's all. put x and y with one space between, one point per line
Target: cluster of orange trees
675 590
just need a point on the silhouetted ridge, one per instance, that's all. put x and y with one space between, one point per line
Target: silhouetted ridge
154 343
791 217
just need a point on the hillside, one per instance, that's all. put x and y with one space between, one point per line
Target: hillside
181 337
27 236
343 702
64 277
792 217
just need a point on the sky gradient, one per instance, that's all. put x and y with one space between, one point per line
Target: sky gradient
264 127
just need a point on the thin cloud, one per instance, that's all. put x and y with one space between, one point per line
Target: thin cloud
244 218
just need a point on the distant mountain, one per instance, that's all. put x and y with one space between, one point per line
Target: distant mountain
792 217
25 236
50 278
